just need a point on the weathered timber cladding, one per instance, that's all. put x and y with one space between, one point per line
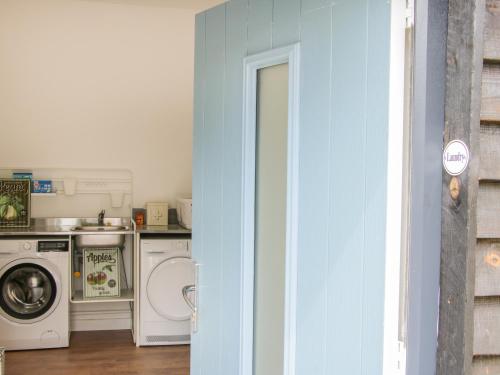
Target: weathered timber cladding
487 326
492 30
489 167
490 102
488 269
458 241
487 287
486 366
488 210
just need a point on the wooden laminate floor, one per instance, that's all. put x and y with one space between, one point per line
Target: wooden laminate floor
101 352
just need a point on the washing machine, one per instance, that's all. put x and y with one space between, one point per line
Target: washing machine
34 293
166 268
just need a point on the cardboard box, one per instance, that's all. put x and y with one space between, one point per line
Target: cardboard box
22 175
157 213
42 186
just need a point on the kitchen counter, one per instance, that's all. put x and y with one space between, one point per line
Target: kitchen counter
37 231
64 226
162 229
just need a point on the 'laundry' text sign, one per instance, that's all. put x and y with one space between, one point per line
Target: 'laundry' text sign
455 157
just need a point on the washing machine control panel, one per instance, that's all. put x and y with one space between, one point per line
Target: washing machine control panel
53 245
9 247
172 247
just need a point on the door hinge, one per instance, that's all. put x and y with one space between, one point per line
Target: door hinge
401 358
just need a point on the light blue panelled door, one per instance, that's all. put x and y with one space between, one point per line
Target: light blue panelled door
332 278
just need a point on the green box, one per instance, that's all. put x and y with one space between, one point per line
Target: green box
15 203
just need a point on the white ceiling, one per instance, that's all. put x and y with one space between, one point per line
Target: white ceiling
198 5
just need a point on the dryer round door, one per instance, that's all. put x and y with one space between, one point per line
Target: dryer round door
30 289
164 288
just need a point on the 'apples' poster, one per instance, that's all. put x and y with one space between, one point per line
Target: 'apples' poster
101 270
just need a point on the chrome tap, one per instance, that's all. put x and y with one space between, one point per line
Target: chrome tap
100 217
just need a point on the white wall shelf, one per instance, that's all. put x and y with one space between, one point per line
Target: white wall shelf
80 192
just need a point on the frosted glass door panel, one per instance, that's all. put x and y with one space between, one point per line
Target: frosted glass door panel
270 219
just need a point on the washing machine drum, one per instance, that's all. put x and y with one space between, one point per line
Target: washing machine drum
29 290
164 288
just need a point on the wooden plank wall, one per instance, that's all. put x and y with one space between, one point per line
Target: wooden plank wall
458 212
487 289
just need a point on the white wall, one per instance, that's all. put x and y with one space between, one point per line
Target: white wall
99 84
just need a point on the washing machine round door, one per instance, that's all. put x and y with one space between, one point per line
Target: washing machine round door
164 288
30 289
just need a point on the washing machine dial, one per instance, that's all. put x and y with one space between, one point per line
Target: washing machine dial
27 246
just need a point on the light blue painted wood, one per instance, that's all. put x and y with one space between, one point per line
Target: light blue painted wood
343 130
347 220
260 19
198 167
377 99
310 5
212 261
286 22
236 34
314 186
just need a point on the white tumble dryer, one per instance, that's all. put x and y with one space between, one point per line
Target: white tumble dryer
166 268
34 297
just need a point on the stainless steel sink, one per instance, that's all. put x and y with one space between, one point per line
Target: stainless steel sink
98 228
107 239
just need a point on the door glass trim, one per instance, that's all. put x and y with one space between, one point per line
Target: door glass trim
291 55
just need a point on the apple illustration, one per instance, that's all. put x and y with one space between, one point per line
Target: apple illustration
91 279
100 277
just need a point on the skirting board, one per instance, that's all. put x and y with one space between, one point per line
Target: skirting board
100 320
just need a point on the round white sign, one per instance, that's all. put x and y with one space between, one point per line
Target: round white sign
455 157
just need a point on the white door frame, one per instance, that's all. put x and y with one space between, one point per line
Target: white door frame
394 360
290 55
